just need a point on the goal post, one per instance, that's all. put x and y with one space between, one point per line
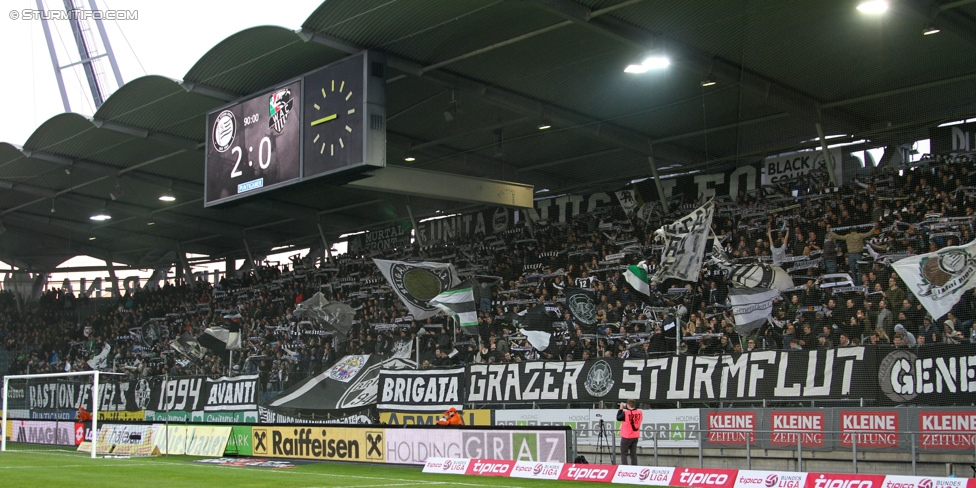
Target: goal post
95 375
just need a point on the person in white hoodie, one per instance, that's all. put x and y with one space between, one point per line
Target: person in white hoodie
908 336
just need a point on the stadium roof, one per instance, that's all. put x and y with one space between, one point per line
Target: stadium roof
779 66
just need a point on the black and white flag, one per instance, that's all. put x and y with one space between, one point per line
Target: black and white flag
536 325
220 340
751 307
581 304
188 346
939 279
629 200
333 316
684 246
417 283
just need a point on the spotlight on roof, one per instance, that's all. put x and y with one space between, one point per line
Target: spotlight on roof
168 195
930 29
708 82
100 217
451 112
873 6
655 60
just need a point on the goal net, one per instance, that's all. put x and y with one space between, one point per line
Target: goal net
61 410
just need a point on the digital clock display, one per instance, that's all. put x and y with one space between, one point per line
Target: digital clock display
254 145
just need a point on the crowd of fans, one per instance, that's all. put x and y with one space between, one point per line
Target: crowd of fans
804 226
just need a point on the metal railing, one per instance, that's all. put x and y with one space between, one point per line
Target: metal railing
799 441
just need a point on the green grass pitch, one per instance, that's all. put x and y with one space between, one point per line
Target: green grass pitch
33 466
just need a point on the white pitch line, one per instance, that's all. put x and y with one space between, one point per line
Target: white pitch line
373 478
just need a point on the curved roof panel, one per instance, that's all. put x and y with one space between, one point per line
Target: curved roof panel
158 104
505 65
258 58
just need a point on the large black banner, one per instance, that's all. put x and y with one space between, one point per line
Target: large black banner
348 385
421 390
953 138
61 394
495 220
769 375
199 393
392 237
928 375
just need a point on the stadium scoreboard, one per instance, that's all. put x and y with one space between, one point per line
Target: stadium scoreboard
331 121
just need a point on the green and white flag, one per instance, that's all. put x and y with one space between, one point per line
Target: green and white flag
636 276
459 302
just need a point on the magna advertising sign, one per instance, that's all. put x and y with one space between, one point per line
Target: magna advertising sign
790 428
770 479
732 428
320 443
948 430
869 429
42 432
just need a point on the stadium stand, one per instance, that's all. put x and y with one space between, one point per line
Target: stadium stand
904 212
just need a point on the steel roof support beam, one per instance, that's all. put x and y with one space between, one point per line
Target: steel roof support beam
942 16
211 92
517 103
131 130
774 91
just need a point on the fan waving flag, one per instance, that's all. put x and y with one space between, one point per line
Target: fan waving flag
939 279
417 283
636 276
459 302
536 325
684 244
751 307
221 339
581 304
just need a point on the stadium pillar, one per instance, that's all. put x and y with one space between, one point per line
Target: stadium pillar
185 266
657 180
828 161
416 229
325 244
113 278
250 257
94 416
3 421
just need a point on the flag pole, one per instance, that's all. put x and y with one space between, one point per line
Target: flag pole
677 335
